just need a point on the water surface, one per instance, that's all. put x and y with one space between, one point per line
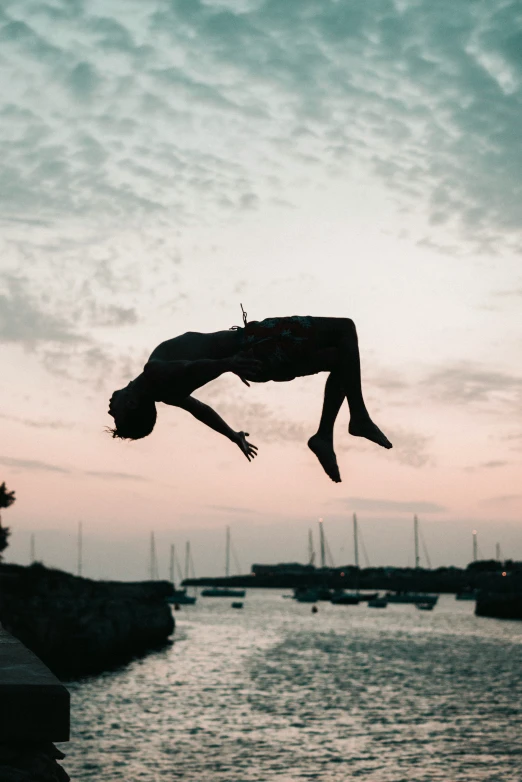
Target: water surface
274 692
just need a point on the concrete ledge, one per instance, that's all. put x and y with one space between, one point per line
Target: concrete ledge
34 705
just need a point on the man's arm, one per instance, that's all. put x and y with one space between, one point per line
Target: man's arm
208 416
181 378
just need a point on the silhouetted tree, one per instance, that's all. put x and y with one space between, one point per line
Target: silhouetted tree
485 565
6 500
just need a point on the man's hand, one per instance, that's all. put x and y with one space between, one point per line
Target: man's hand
245 367
248 449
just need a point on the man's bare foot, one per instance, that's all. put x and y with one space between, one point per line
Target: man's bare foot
364 427
324 451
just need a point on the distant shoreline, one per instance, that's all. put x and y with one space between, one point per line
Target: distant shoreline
486 575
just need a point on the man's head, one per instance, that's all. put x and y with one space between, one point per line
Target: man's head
134 414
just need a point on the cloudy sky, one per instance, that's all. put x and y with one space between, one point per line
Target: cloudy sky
163 162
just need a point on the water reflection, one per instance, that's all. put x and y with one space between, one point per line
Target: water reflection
274 692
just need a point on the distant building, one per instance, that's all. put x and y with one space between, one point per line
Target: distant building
282 568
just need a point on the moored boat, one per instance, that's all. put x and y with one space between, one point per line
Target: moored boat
222 592
345 599
324 594
180 597
378 602
367 596
467 594
304 595
411 597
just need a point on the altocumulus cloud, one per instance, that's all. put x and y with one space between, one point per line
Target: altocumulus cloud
32 465
24 319
109 475
116 115
148 107
37 424
503 499
474 383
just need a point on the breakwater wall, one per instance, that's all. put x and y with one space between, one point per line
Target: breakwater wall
77 626
499 605
34 713
440 580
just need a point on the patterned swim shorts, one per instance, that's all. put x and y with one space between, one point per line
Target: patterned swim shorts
281 344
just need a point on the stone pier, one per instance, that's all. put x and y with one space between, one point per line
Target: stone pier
34 713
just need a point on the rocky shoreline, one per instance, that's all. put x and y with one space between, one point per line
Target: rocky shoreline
78 626
31 762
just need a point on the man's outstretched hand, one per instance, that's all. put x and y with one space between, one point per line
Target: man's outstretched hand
248 449
245 367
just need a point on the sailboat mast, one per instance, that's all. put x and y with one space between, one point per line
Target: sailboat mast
321 539
153 562
80 546
187 558
475 546
32 552
311 553
227 556
355 541
416 541
171 570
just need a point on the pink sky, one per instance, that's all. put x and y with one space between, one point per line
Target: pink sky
151 196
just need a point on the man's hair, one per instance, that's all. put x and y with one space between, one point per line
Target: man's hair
135 423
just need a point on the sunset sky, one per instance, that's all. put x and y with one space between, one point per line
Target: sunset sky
162 162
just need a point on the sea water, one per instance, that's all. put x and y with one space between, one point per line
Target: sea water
276 692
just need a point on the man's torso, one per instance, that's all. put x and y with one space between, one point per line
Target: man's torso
286 347
194 345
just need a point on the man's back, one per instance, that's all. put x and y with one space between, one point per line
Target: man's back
194 345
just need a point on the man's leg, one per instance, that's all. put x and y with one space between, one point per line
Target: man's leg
321 443
344 381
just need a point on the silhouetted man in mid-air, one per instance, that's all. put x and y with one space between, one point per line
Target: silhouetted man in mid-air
278 349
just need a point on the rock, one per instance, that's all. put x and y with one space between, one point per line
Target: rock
31 762
77 626
498 605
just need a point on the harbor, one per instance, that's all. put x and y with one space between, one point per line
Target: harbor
170 678
276 692
495 586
